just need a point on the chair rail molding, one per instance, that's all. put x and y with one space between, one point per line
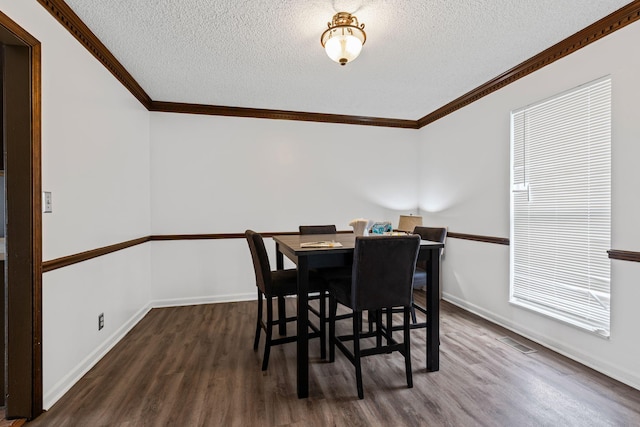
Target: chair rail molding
94 253
624 255
90 254
474 237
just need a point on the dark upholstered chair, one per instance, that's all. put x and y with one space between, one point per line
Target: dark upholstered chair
278 283
329 272
322 295
434 234
383 268
317 229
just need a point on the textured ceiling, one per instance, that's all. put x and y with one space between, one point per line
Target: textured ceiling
419 55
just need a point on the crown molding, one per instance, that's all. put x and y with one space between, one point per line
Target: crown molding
72 22
257 113
607 25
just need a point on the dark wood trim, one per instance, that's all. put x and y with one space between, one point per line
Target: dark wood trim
24 219
94 253
18 32
72 22
257 113
624 255
87 255
197 236
607 25
267 234
474 237
36 218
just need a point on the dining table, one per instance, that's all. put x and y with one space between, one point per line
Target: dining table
337 254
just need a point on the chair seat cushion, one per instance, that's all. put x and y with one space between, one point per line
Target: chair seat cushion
285 282
420 278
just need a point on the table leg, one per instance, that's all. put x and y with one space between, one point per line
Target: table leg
302 329
279 258
282 317
433 310
282 312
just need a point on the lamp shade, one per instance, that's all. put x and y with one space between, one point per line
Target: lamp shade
408 222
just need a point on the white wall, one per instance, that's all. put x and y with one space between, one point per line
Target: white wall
224 175
95 161
116 285
464 184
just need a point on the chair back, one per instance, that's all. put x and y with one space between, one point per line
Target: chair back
261 265
317 229
434 234
383 269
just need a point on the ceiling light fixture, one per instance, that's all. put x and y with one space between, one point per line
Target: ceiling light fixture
344 39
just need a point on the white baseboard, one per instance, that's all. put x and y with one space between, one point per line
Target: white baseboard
62 386
176 302
622 375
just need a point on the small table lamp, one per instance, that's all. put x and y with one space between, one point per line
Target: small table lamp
408 222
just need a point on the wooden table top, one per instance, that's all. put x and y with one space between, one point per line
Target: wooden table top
347 240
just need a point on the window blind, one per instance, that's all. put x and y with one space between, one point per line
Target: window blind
561 206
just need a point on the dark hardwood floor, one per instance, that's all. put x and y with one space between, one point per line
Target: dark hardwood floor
195 366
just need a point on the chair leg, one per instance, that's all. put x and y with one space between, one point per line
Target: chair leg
323 324
267 344
389 325
282 326
413 311
333 308
407 347
356 353
378 328
258 326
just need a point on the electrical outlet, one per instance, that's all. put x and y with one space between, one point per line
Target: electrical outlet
100 321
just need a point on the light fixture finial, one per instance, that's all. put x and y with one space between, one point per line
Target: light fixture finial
344 38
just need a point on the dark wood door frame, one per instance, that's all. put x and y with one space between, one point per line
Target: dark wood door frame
23 289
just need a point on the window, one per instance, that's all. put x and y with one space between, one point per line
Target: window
561 206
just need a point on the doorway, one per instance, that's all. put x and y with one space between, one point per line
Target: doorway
22 290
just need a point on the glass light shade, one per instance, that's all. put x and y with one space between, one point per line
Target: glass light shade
343 44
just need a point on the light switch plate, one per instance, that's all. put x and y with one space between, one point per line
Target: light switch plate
46 202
